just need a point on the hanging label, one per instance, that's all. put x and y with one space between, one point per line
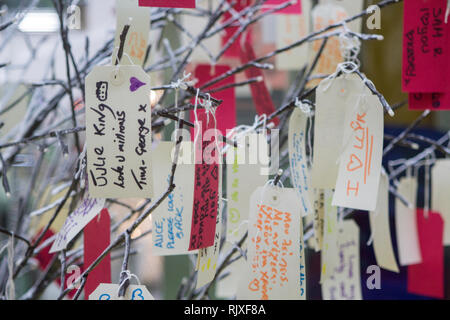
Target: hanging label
275 257
300 176
319 213
295 8
329 258
440 200
427 278
433 101
96 240
345 281
352 8
227 287
136 42
406 223
171 220
380 229
243 177
118 132
229 32
362 151
425 47
168 3
333 99
109 291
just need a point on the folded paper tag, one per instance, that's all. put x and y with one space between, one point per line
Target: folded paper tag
345 281
440 200
171 220
118 132
329 258
300 173
362 150
110 291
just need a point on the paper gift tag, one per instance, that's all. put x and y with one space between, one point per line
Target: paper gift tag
333 99
433 101
406 223
319 219
128 12
207 257
294 9
329 257
228 286
426 47
352 7
110 291
427 278
345 281
244 175
289 29
275 259
300 173
76 221
96 240
440 200
168 3
362 151
380 229
171 220
118 132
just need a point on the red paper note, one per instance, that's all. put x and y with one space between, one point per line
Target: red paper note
168 3
234 49
425 47
261 96
292 9
96 240
433 101
427 278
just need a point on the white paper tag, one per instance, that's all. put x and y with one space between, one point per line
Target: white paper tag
352 7
289 29
171 221
242 180
275 267
362 151
136 42
329 257
319 217
406 223
300 175
76 221
379 226
110 291
118 132
333 99
228 286
345 281
440 199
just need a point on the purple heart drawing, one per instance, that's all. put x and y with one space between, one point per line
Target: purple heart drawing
135 84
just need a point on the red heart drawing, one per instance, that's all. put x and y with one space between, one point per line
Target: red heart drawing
352 161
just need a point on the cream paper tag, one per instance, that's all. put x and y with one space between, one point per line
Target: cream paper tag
333 99
76 221
362 151
319 218
329 258
110 291
275 267
128 12
379 226
440 199
408 245
289 29
300 175
352 7
244 175
228 286
118 132
171 220
345 282
207 257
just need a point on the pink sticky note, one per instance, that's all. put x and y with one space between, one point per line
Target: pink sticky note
261 96
425 47
96 240
427 278
292 9
168 3
433 101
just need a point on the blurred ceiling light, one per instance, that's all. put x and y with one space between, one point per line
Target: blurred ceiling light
39 21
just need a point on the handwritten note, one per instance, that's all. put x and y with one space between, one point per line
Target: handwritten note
345 281
76 221
352 8
171 221
275 262
406 223
440 200
380 228
425 47
300 175
360 163
433 101
110 291
329 258
168 3
235 8
118 132
319 220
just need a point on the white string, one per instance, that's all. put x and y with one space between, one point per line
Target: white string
182 82
129 275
